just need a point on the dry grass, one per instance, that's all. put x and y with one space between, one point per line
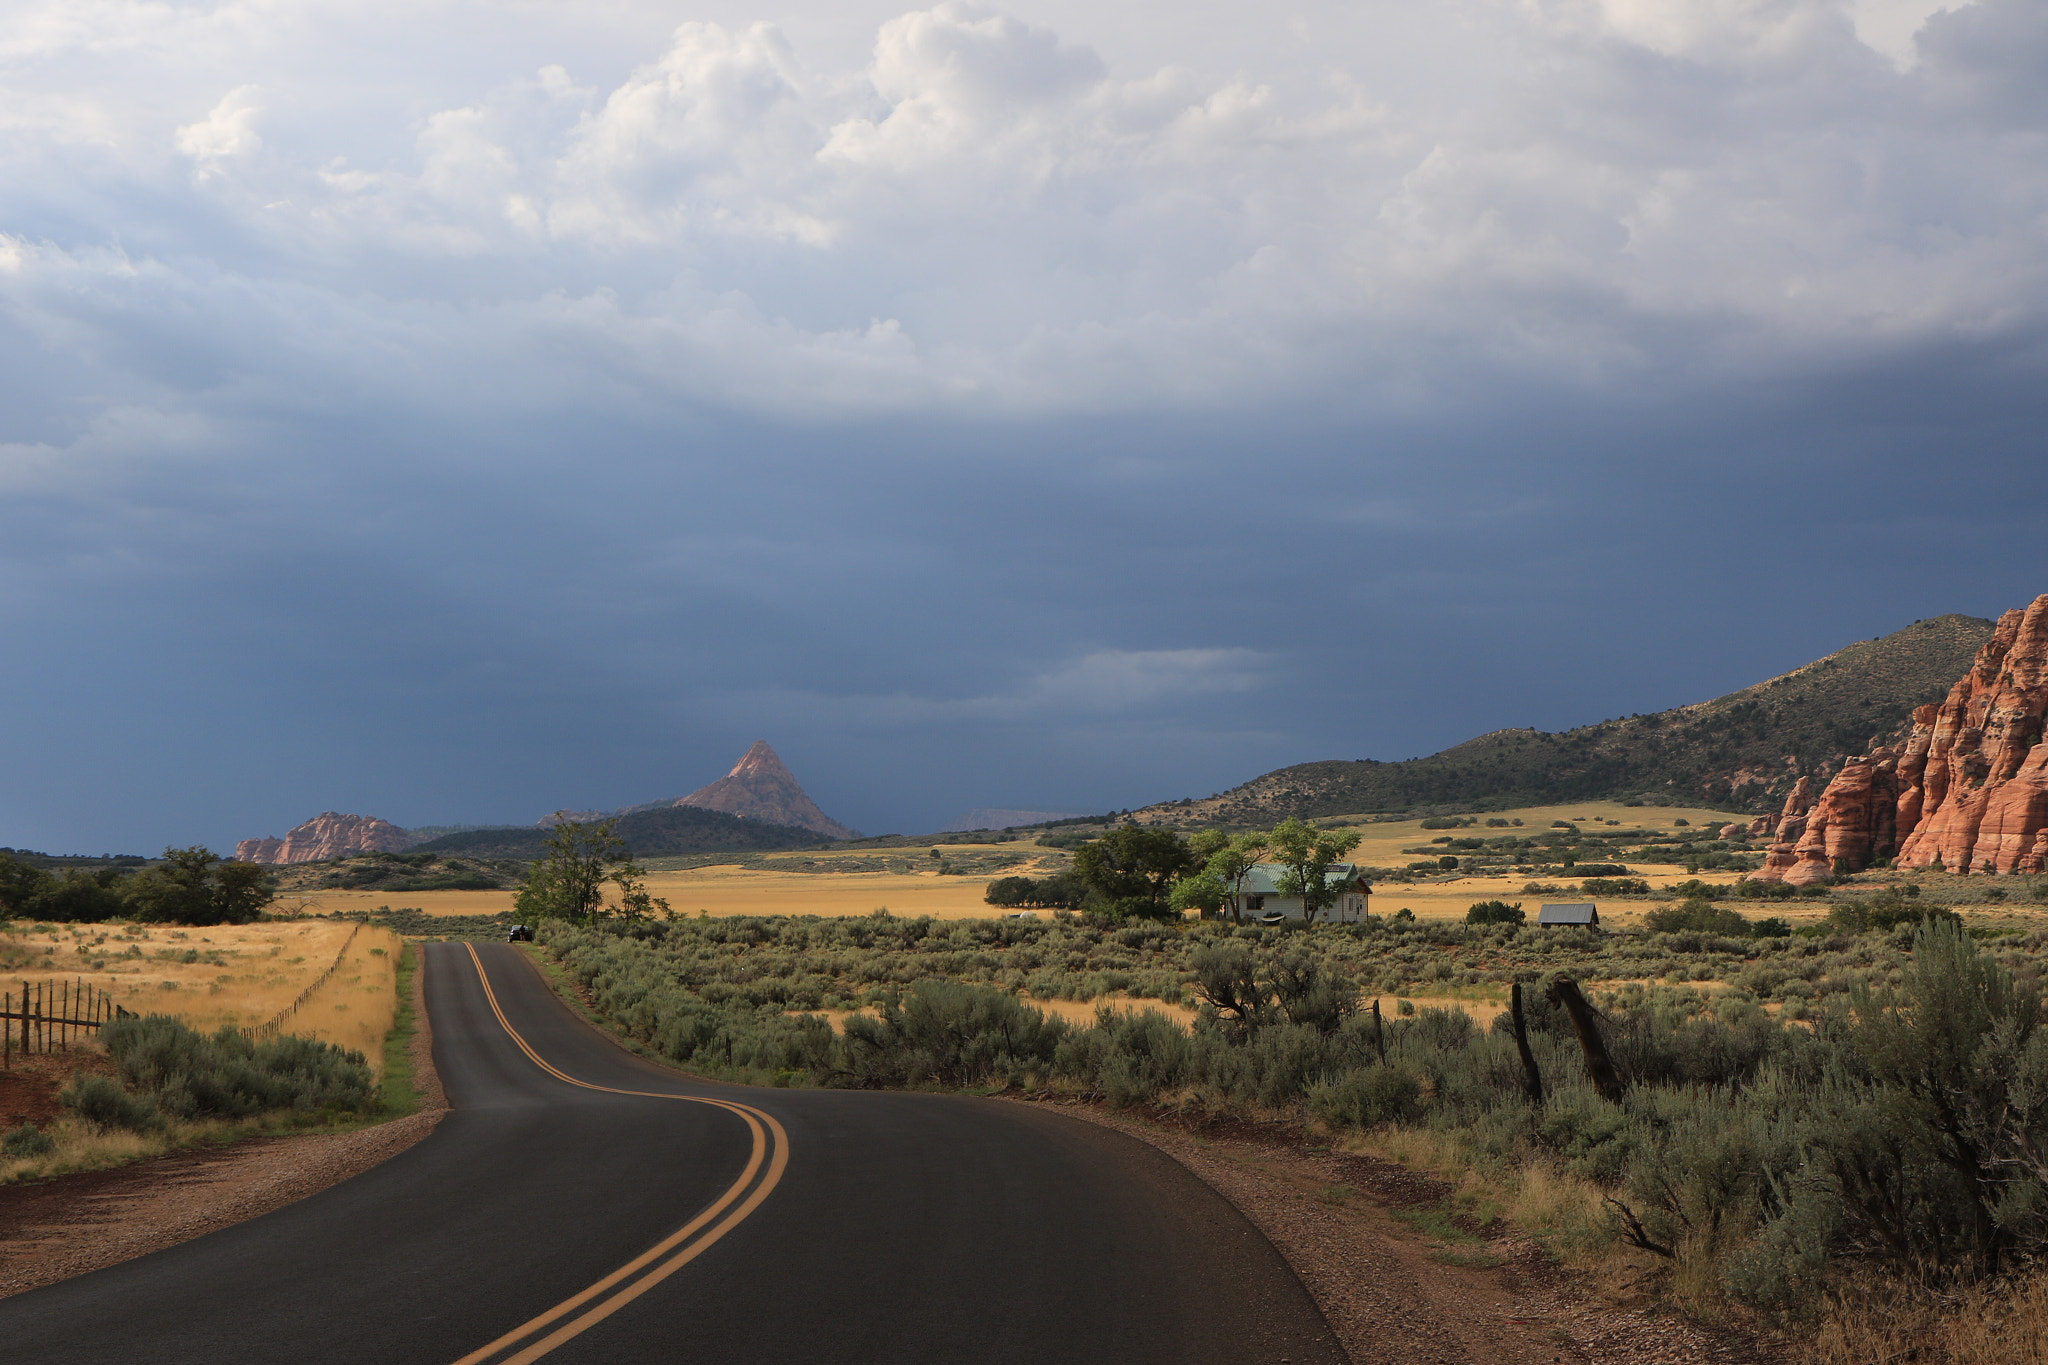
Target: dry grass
720 892
223 974
2001 1323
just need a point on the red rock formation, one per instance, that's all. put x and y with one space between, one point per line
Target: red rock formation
1969 791
327 835
759 786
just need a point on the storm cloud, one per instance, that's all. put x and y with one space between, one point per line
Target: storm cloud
453 412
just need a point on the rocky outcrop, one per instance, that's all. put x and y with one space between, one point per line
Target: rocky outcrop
760 787
327 835
1968 791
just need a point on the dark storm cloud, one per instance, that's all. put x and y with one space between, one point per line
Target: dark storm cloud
994 420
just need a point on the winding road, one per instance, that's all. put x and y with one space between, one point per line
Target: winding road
583 1206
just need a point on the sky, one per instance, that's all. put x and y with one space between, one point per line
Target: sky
454 411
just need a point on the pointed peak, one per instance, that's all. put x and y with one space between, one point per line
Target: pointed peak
758 758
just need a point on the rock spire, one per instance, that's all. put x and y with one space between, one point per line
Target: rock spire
329 834
760 787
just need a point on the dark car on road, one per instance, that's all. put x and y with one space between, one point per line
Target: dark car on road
519 933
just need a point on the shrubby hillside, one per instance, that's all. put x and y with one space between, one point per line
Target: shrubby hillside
1742 751
648 833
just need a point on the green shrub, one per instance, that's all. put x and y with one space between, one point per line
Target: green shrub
191 1075
1365 1099
1698 916
27 1141
1494 912
101 1102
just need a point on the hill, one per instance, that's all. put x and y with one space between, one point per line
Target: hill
648 833
1743 751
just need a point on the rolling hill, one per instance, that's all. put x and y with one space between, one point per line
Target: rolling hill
648 833
1738 752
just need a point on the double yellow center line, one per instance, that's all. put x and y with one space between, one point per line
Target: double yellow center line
591 1306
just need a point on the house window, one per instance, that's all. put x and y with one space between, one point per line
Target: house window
1258 902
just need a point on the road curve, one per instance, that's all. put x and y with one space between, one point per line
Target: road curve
793 1226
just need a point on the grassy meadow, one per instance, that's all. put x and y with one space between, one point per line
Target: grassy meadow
222 974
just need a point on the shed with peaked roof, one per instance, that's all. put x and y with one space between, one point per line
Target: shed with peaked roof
1587 914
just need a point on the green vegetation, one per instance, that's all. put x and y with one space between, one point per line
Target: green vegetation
1495 912
168 1071
400 1090
1898 1128
567 881
666 832
189 886
1707 753
398 872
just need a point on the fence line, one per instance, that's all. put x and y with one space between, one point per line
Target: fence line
50 1012
275 1025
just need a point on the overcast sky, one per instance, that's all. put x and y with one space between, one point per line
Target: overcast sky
450 411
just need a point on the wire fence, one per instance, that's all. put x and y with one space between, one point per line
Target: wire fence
275 1025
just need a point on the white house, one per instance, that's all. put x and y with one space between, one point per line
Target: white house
1261 897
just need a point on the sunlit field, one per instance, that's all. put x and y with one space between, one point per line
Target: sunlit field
721 891
223 974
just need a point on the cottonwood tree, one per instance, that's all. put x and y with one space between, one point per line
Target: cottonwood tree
568 881
1132 868
1308 854
1226 864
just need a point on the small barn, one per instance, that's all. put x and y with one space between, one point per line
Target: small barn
1262 899
1587 915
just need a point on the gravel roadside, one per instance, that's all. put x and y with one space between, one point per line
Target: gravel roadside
55 1229
1391 1292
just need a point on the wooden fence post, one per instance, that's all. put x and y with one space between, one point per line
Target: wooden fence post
1532 1078
1586 1023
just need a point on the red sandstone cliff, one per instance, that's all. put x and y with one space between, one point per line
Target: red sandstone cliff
760 786
327 835
1968 790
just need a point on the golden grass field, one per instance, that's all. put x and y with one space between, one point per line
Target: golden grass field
223 974
818 890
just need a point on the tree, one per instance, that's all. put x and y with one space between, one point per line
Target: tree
197 886
1308 854
1132 868
568 882
1494 912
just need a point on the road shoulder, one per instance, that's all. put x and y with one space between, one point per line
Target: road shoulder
54 1229
1386 1290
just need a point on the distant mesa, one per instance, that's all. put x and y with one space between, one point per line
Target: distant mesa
759 787
329 834
995 817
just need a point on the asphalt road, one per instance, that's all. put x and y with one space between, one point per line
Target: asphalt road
817 1226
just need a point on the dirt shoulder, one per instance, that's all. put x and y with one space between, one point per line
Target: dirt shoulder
1393 1291
54 1229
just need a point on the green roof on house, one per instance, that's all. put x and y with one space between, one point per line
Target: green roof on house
1264 880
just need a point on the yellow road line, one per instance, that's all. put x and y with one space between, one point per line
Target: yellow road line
770 1149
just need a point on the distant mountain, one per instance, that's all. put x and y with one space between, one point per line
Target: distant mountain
659 833
329 834
994 817
1744 751
759 787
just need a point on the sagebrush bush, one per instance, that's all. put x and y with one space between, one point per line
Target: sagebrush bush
1760 1156
101 1102
226 1075
27 1141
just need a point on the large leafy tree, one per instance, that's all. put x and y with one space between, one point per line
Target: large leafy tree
1132 868
1307 854
197 886
1225 865
568 881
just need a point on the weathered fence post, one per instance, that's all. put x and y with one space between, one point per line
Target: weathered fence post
1586 1024
1532 1078
1379 1031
